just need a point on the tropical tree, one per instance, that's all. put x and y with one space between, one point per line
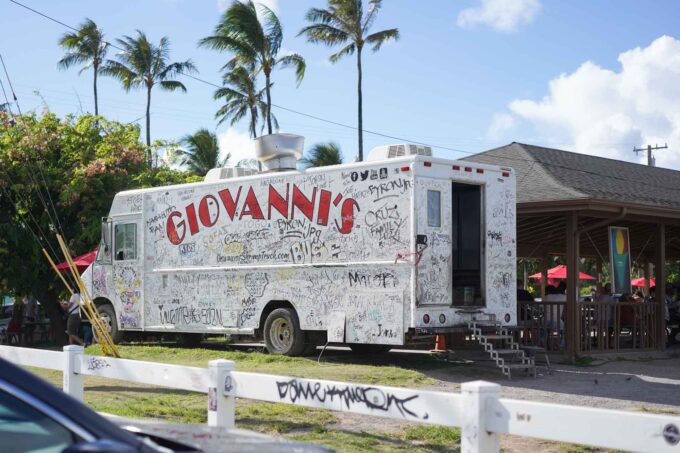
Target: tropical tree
344 22
254 41
201 153
143 64
242 98
86 46
75 166
323 154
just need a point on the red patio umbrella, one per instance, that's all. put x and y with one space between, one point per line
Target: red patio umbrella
560 272
82 262
640 282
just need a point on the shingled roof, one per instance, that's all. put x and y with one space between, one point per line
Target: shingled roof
546 174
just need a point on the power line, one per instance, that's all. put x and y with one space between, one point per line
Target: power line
9 81
57 224
307 115
336 123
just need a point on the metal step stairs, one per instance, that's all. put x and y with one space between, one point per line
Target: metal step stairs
501 347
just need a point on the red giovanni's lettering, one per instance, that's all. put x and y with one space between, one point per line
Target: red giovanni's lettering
286 202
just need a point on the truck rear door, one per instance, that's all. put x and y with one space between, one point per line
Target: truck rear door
433 221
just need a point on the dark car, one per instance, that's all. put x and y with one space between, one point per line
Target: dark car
36 416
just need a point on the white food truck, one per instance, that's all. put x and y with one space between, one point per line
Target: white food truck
370 254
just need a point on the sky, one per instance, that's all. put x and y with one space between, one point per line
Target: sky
466 76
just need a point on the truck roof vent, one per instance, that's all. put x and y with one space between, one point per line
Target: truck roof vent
279 152
399 150
217 174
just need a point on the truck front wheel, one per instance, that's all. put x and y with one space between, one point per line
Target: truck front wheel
282 333
108 316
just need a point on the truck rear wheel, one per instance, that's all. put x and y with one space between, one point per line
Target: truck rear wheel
282 333
108 316
366 349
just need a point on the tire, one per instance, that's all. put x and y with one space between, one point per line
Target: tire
369 349
108 316
282 333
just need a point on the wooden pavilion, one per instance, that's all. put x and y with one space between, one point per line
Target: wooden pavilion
565 203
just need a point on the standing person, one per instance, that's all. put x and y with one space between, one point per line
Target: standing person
30 318
73 319
15 328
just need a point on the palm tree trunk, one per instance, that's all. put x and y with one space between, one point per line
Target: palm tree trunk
148 122
253 122
269 103
361 119
96 105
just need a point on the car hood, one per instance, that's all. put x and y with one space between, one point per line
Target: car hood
211 439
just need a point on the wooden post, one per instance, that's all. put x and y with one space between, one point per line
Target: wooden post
660 291
478 399
221 401
544 274
598 269
73 383
648 275
572 257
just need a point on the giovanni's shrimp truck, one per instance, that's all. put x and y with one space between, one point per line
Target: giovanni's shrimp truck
370 254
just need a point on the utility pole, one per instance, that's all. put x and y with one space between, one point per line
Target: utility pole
650 158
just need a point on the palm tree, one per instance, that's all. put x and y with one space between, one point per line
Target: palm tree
322 154
141 63
344 22
253 42
86 46
242 98
202 152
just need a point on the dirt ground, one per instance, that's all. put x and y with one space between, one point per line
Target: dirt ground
644 382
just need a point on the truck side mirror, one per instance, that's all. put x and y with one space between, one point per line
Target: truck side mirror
421 239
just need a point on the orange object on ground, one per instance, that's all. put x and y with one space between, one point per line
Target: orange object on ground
439 344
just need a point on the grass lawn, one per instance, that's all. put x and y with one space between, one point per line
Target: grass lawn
335 367
293 422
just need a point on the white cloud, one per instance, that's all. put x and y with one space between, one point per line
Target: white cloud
238 144
501 125
502 15
222 5
606 112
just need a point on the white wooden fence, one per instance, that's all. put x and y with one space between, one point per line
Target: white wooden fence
478 410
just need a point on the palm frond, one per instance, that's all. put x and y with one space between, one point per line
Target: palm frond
172 85
229 43
379 38
295 60
347 50
322 154
323 16
70 59
326 34
240 21
128 77
201 152
272 29
373 8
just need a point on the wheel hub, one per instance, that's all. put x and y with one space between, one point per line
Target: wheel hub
281 334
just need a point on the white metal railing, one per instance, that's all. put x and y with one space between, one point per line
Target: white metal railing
478 410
